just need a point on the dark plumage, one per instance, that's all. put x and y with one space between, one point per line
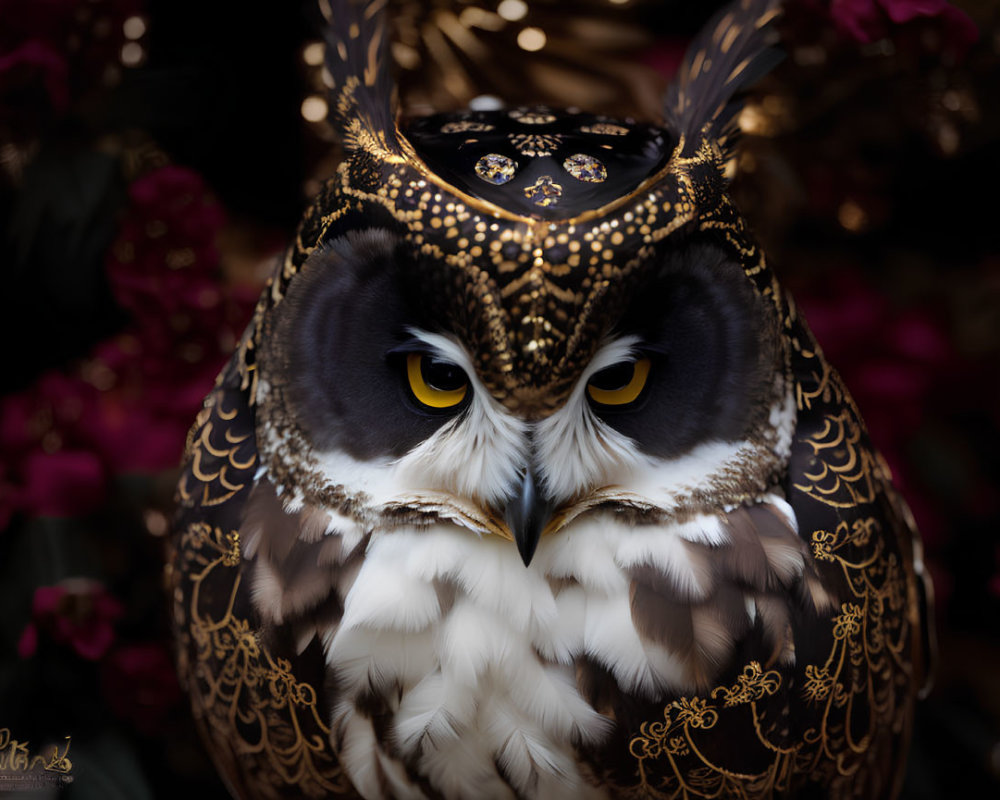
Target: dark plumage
527 480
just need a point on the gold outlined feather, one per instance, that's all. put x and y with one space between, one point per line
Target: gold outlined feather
733 50
363 99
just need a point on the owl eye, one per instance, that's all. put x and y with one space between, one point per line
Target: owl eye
436 383
620 384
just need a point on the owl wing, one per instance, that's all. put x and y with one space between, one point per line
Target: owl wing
259 704
865 672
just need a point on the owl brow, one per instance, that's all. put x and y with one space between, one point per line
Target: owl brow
640 346
421 341
412 345
614 351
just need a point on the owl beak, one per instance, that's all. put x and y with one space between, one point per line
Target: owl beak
527 513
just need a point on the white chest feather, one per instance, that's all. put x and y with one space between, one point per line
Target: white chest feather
475 654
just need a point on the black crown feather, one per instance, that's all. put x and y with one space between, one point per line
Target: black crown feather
364 103
734 50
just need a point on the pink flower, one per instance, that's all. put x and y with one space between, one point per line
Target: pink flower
66 483
163 266
78 612
33 76
140 684
861 19
868 20
50 469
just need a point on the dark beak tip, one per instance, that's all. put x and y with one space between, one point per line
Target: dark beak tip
526 547
527 513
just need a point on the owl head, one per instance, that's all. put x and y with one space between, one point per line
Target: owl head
509 318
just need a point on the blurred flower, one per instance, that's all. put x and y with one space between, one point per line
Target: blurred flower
128 405
34 78
53 53
62 484
869 20
50 467
140 684
78 612
164 269
163 265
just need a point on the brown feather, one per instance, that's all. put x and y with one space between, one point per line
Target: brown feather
744 558
267 531
658 614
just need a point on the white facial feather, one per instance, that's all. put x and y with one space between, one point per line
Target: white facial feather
477 455
574 448
480 454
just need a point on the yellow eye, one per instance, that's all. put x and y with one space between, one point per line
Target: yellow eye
620 384
434 382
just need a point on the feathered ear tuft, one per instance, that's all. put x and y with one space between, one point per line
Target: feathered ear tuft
729 54
363 98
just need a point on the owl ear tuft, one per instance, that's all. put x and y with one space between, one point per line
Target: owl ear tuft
732 51
363 100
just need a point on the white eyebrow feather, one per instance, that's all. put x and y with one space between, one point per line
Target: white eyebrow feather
575 449
480 453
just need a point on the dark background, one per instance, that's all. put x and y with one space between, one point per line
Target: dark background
871 180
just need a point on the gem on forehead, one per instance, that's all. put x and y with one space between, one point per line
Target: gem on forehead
604 129
544 192
531 117
585 168
495 168
465 126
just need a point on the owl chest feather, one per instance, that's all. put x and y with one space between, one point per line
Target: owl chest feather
456 667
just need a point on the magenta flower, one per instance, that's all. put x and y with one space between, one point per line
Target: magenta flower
33 76
140 684
77 612
869 20
163 267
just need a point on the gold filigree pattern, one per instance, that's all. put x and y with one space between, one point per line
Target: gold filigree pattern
229 453
860 696
532 116
671 758
536 145
843 474
605 129
819 683
466 126
248 701
753 684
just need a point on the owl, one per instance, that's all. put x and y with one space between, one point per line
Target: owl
528 481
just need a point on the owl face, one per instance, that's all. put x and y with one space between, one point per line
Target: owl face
492 354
